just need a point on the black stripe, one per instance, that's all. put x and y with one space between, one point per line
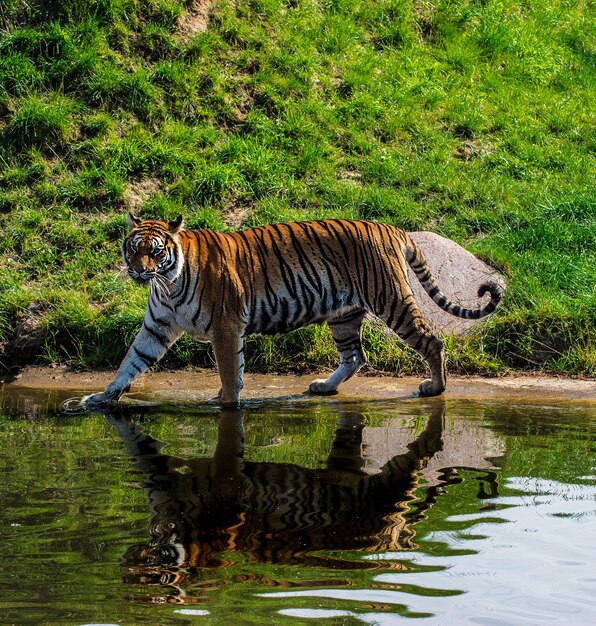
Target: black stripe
360 250
162 339
195 317
401 318
137 369
417 346
336 238
358 266
287 273
313 236
261 249
145 358
158 320
409 333
182 289
329 264
392 311
311 272
192 291
210 320
344 344
345 319
374 257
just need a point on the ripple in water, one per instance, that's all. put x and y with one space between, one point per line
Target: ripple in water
447 514
533 564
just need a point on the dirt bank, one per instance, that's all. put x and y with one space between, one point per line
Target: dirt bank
199 385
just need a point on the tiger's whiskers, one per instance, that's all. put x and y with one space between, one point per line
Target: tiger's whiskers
161 285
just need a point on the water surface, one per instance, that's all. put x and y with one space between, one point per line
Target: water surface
332 512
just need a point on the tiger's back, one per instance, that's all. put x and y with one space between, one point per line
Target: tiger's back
282 277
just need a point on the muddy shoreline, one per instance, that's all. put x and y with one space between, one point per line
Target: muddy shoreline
198 385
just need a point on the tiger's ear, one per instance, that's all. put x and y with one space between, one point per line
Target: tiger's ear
176 225
132 221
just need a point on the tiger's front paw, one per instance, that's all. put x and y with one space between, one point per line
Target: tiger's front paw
100 400
96 401
321 387
427 389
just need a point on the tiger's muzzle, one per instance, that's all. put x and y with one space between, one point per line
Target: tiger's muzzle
142 278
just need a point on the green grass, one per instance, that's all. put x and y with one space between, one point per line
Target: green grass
472 119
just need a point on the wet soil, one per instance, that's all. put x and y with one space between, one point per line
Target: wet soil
199 385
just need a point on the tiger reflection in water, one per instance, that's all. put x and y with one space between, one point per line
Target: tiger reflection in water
274 513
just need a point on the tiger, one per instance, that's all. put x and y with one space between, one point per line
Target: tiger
223 287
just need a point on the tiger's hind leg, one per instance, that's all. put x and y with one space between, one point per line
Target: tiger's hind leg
347 334
407 321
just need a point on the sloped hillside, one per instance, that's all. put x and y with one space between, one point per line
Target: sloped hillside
471 118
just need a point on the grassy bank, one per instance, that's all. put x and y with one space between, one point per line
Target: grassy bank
468 118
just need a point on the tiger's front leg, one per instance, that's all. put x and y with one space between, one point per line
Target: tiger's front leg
148 347
228 346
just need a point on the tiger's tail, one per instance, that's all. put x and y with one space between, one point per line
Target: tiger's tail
417 262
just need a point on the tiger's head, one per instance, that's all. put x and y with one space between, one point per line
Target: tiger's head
151 250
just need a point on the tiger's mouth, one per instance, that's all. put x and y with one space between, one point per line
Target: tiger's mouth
160 284
141 278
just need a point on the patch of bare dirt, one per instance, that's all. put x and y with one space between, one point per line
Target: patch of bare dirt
424 14
139 192
351 175
235 217
195 19
470 149
27 339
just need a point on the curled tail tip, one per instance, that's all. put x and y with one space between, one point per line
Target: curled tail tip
496 294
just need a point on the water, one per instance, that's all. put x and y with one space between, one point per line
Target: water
330 512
